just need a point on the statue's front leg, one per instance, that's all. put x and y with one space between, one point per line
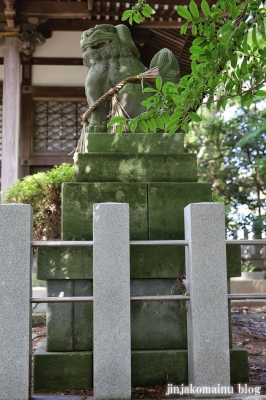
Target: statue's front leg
96 87
98 118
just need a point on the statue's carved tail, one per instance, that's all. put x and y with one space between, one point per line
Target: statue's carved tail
168 65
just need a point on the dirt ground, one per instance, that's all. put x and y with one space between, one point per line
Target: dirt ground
248 331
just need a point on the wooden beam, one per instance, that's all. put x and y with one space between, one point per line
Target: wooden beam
56 61
47 159
82 25
53 9
74 92
160 25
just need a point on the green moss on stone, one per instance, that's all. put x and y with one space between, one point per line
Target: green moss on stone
60 317
150 368
135 143
145 262
62 371
64 263
233 260
158 367
166 207
104 167
83 317
239 365
69 371
77 207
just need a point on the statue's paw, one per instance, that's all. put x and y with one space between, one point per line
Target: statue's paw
100 128
97 128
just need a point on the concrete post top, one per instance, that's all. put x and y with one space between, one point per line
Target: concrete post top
15 205
113 203
206 204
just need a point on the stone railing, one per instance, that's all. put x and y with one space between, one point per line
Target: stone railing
206 298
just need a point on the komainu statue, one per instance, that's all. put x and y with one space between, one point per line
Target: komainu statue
111 56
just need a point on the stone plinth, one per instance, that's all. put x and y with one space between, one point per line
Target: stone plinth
158 181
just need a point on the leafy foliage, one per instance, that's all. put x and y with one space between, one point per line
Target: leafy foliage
136 14
43 192
232 156
228 59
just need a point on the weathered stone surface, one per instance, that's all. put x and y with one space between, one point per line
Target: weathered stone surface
64 263
166 207
104 167
135 143
54 371
145 262
78 200
83 317
15 316
233 260
208 342
111 302
158 367
60 317
157 324
157 261
238 365
62 370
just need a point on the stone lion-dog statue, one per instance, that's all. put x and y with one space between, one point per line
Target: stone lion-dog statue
111 56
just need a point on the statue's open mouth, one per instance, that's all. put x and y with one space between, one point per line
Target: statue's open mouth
99 45
96 41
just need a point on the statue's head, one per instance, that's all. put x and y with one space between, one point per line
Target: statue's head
107 41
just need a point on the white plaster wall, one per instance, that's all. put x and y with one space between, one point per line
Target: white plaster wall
58 75
61 44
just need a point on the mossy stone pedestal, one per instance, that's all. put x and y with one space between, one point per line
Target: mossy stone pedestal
153 175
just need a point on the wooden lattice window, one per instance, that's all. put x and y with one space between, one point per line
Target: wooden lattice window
57 125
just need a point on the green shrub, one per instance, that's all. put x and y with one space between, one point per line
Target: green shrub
43 192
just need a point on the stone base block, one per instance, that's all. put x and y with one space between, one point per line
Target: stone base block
69 371
77 207
61 371
145 262
135 143
121 167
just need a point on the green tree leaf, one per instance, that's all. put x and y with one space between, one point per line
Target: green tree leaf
120 128
194 117
149 9
143 125
159 122
194 8
159 83
183 29
234 10
126 15
183 12
152 124
205 8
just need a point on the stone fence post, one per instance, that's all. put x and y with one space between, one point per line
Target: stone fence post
208 327
15 292
111 302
